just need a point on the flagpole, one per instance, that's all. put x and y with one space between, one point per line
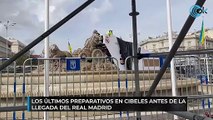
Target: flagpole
46 55
207 62
205 47
170 38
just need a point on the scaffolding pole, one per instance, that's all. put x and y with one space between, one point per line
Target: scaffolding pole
134 14
171 54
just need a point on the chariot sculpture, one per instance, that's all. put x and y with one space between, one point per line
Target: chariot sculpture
93 47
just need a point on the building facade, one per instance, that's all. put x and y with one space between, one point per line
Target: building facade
16 45
191 42
186 65
5 48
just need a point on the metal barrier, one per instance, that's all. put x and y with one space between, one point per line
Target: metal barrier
193 79
101 77
194 69
149 67
8 83
96 77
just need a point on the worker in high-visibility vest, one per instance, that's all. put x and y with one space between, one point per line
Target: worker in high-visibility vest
110 33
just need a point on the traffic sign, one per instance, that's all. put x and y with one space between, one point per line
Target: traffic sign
73 64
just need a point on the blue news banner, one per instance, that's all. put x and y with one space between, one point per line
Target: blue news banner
107 103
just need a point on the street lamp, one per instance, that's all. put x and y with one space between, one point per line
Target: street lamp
7 25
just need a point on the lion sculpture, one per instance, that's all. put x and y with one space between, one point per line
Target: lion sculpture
55 52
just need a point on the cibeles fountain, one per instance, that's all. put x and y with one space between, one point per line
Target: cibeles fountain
94 55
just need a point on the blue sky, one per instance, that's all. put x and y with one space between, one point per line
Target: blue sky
101 15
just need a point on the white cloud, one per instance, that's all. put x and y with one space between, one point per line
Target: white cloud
95 13
52 8
57 10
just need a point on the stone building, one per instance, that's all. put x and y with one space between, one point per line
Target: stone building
191 42
5 48
16 45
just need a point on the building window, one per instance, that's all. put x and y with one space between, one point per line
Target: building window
154 46
189 44
162 44
209 45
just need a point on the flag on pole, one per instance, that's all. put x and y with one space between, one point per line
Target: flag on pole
70 48
202 34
